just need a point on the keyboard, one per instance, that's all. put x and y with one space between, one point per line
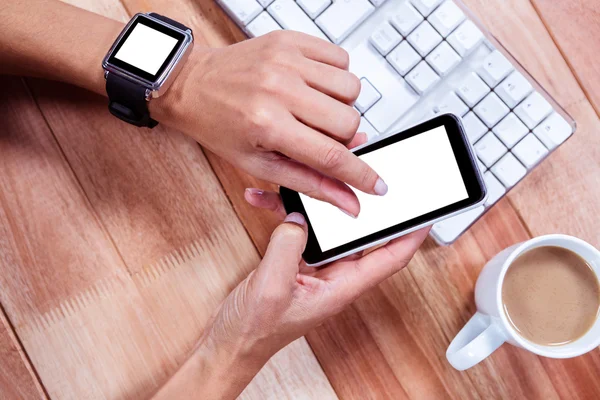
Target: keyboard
420 58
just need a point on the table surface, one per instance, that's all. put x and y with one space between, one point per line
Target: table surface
117 244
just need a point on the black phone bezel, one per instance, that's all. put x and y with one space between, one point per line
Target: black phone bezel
150 23
467 166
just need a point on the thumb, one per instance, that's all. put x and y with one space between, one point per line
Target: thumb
281 262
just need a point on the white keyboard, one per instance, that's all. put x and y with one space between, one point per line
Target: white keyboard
420 58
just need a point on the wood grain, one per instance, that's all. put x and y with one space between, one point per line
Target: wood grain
83 301
109 231
17 377
54 249
409 321
574 27
173 231
562 183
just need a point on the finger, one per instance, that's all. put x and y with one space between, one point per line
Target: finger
303 179
334 82
329 157
384 262
319 111
319 50
356 277
359 139
265 199
281 262
315 271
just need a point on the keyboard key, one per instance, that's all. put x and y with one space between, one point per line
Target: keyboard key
533 110
495 67
451 104
290 16
397 97
367 128
474 128
494 187
385 38
513 89
406 18
510 130
424 38
242 11
472 89
425 7
481 167
367 97
422 77
553 131
313 7
465 38
491 110
265 3
343 17
530 151
443 59
377 3
391 107
509 170
489 149
449 229
403 58
262 25
446 18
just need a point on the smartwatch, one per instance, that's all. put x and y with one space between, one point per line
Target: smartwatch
142 63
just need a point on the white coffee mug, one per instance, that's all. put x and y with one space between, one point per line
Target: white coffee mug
489 328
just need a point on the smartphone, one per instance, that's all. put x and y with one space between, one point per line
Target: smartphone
431 173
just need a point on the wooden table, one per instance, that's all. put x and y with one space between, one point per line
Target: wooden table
117 244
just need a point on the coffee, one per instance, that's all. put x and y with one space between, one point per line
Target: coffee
551 296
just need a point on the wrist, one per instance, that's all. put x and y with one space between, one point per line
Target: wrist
171 107
224 369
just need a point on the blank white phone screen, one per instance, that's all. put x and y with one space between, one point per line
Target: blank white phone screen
422 176
146 48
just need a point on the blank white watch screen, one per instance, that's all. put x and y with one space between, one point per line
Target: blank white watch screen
422 175
146 49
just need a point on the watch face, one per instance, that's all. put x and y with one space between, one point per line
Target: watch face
146 48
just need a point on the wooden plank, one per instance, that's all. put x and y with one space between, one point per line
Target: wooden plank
17 378
295 369
58 266
566 182
79 310
574 27
156 195
394 338
168 229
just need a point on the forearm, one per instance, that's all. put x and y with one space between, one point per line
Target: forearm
214 371
54 40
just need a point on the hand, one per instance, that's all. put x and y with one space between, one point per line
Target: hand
283 299
278 107
277 303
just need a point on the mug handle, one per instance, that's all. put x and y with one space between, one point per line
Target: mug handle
479 338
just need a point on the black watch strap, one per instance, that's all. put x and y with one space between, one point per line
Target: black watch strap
169 21
127 101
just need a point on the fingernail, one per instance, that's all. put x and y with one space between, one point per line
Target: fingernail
347 213
296 218
380 187
254 191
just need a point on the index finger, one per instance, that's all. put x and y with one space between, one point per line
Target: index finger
329 157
